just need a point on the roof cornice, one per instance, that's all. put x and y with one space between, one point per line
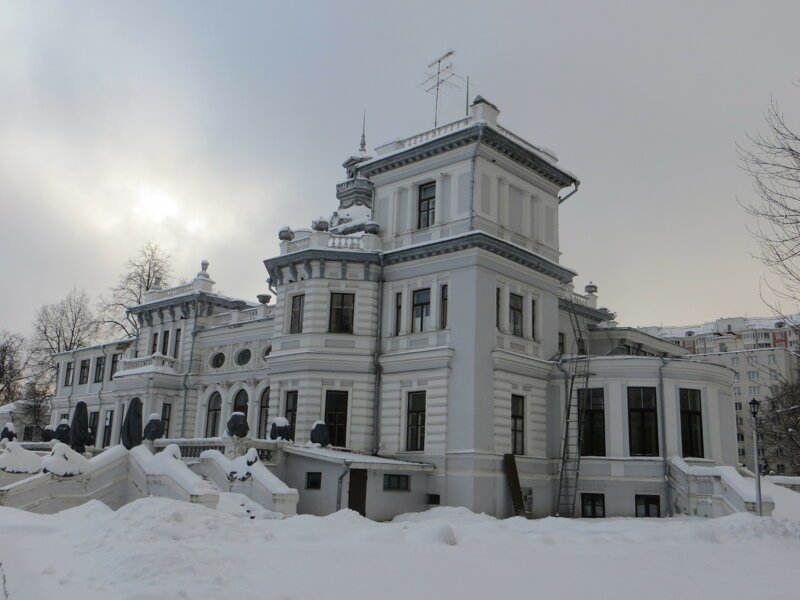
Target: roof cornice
451 141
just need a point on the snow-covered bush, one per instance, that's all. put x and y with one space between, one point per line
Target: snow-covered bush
17 459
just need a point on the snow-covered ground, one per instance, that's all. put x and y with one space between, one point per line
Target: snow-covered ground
159 548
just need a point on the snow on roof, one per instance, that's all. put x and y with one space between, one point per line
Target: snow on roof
365 460
716 327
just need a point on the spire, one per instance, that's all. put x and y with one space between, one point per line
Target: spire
363 148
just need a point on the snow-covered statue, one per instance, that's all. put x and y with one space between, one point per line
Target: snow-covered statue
48 434
132 425
65 462
237 425
9 432
281 429
80 427
154 428
63 433
319 434
240 466
17 459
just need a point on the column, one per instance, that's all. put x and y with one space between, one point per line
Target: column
439 216
405 313
504 321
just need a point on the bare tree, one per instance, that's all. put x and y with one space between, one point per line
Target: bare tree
14 359
65 325
148 267
780 426
772 159
34 408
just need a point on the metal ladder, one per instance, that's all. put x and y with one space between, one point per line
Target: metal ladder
572 431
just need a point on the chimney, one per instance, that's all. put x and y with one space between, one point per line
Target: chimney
483 110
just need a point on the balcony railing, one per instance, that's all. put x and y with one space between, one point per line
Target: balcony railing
328 240
156 360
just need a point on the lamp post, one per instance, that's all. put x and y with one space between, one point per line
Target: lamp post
757 471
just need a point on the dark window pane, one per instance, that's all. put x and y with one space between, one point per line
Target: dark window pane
296 322
642 421
591 407
341 313
336 417
415 427
691 423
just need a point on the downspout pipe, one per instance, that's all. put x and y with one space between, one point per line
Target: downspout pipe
663 419
377 356
347 464
188 372
472 186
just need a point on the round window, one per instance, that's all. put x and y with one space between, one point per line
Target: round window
218 360
243 357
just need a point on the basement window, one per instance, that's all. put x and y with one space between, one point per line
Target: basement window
313 480
396 483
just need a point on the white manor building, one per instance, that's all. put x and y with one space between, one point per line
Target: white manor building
429 324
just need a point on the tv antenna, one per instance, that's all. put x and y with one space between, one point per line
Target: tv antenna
439 78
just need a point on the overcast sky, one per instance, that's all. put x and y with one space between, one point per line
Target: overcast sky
205 127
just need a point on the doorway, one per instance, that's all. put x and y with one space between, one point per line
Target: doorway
357 492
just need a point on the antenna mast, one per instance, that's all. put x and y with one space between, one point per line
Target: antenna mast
444 72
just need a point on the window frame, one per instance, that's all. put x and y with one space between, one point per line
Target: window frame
443 306
516 314
83 374
263 414
646 502
415 427
424 311
517 424
398 313
99 368
177 344
217 415
396 482
426 205
290 410
336 418
115 358
691 414
646 420
339 311
166 417
165 343
596 502
296 313
108 425
313 480
593 421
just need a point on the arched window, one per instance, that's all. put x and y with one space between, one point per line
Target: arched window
212 418
263 415
240 402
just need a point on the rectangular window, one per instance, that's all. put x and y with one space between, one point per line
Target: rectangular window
341 314
121 422
497 308
94 421
426 209
741 452
263 416
642 421
691 423
754 390
736 377
415 426
752 375
99 368
592 416
737 391
107 426
165 343
517 424
515 314
648 506
166 417
154 344
296 322
443 308
593 506
336 417
421 311
291 410
738 406
83 377
27 434
734 362
114 364
177 347
398 312
561 343
739 422
313 480
533 319
772 358
396 483
740 437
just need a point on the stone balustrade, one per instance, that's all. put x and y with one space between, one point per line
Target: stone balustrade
156 360
325 240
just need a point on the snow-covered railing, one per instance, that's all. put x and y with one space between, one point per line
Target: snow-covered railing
164 474
231 447
154 360
179 290
436 132
713 491
346 242
579 299
357 182
326 240
247 475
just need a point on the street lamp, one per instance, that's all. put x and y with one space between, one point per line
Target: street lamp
754 411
